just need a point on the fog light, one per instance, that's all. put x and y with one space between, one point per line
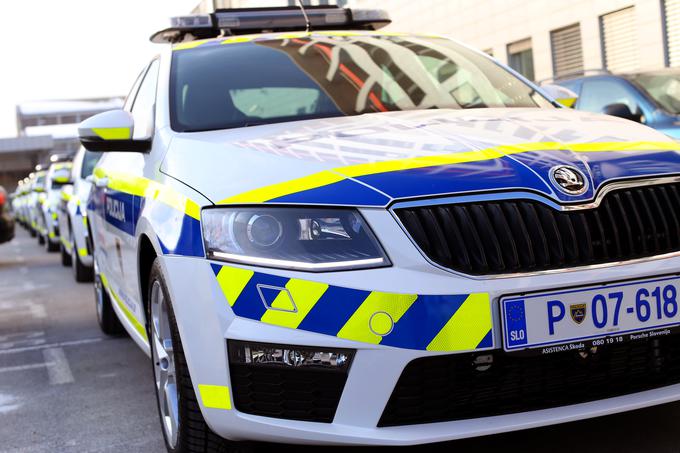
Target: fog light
304 357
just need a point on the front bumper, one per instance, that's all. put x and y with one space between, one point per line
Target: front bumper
206 321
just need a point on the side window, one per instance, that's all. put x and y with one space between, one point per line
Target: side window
143 105
597 94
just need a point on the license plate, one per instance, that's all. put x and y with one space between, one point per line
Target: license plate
591 316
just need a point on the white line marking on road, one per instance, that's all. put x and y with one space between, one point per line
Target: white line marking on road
30 366
53 345
17 343
58 370
27 335
7 403
38 311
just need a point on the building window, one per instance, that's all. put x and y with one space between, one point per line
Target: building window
521 58
567 51
671 14
619 40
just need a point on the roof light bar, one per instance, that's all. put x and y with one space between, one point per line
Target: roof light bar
259 20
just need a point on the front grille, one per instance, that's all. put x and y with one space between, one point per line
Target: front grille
271 391
510 236
453 387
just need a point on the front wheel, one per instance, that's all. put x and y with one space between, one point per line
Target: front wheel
106 317
65 257
81 273
184 428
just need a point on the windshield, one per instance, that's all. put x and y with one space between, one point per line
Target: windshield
276 80
90 160
40 182
663 88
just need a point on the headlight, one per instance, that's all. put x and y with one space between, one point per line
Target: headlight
307 239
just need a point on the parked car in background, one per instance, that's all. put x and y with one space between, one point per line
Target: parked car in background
35 199
651 98
16 203
58 175
76 249
6 218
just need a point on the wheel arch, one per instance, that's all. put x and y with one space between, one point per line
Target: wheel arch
146 255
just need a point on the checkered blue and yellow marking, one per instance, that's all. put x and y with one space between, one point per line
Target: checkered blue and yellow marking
460 322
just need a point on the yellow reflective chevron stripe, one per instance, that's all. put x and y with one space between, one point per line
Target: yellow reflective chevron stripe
297 185
305 295
113 133
143 187
328 177
215 396
467 327
395 305
126 311
66 244
232 280
438 323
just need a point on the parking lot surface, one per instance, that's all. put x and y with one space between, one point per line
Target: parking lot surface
65 387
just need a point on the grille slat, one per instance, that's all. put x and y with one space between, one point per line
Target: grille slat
509 236
472 240
452 387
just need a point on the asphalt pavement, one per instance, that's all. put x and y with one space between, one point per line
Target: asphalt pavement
66 387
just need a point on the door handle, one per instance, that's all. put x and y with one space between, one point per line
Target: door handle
102 182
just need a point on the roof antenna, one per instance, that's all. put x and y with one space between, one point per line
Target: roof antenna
304 13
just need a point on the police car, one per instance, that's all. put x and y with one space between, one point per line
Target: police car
346 236
35 200
72 216
57 175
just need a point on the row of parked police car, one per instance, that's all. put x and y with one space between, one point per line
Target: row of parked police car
50 203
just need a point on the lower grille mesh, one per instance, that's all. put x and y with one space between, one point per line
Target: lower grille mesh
446 388
309 395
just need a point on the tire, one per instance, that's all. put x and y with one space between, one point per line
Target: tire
32 232
41 239
65 257
106 317
50 246
81 273
191 432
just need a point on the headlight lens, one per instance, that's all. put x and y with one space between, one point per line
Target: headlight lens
307 239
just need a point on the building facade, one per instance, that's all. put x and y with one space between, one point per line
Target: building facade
546 39
60 119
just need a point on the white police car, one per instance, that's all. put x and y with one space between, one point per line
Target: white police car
75 239
57 175
352 237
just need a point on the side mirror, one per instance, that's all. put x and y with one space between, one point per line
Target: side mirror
111 131
622 111
563 95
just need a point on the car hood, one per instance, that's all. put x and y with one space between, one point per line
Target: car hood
374 159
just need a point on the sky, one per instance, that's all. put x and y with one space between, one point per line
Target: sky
66 49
